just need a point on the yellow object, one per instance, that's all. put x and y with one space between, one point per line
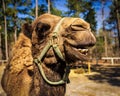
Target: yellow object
89 68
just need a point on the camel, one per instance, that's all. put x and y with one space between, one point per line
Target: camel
39 65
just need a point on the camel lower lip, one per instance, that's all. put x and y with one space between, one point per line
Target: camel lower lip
79 54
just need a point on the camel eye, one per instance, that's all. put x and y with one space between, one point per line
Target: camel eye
42 27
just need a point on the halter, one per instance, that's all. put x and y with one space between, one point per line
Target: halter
53 44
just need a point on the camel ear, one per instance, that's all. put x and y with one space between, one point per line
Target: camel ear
27 30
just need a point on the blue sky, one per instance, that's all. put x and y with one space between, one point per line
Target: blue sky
98 9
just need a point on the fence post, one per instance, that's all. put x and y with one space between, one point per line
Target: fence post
89 67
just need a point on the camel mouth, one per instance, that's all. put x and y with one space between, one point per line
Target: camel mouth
82 51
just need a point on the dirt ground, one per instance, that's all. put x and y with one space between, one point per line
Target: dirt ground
102 81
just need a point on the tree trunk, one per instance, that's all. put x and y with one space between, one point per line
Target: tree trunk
118 21
36 9
5 29
104 32
0 46
49 6
15 33
105 42
15 25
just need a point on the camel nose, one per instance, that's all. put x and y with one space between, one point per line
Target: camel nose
81 26
92 40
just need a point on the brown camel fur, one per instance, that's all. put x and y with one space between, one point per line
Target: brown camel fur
22 77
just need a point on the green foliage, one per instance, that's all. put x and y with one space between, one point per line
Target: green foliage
113 22
99 47
84 8
75 7
41 10
90 16
55 11
13 10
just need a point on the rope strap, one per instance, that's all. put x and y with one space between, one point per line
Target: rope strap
39 64
64 80
53 44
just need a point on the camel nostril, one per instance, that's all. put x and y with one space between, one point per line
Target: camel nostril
91 42
92 39
77 28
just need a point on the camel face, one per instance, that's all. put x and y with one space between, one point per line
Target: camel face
79 38
74 37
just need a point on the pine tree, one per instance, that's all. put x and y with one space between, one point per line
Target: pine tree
114 22
11 11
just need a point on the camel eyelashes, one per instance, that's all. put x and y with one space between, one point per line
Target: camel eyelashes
42 27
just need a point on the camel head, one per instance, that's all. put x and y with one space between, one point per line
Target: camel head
73 37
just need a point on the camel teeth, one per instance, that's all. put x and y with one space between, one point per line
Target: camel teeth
83 50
